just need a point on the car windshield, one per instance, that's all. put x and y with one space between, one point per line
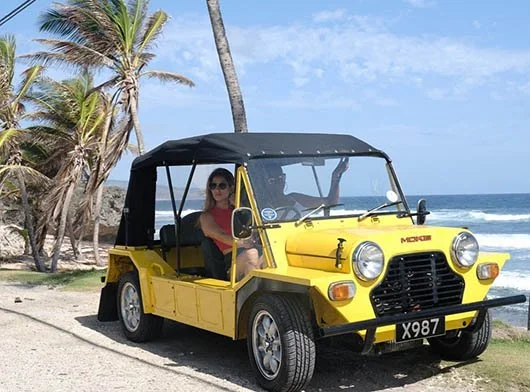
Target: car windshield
287 189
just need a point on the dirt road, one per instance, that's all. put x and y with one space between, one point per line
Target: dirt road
52 341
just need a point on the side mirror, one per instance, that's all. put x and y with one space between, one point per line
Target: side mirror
242 222
421 212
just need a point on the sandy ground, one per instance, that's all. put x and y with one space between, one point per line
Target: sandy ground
52 341
86 260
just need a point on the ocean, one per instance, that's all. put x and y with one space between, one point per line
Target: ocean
500 222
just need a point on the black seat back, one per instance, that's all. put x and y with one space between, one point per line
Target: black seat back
190 232
192 235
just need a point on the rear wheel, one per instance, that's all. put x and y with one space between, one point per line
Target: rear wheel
137 326
280 343
462 345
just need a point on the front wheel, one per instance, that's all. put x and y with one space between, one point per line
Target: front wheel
280 343
463 345
137 326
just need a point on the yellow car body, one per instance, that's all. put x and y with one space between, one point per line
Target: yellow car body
309 268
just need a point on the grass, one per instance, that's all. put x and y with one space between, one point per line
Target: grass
70 280
505 366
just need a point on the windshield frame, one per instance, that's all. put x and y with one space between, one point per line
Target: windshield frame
393 182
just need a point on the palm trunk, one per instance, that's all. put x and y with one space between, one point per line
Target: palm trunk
62 226
99 192
39 265
97 209
133 102
73 243
227 65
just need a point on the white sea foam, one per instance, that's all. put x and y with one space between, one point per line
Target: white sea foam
165 213
503 241
518 280
475 216
336 211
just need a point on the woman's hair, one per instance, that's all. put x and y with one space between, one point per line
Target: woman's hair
219 172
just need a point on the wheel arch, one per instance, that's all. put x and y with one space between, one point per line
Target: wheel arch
117 266
255 288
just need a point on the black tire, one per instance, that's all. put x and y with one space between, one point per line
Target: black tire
463 345
280 342
137 326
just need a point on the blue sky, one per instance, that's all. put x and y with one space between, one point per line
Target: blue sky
442 86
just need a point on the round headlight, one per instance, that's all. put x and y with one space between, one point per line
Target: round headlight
464 249
368 260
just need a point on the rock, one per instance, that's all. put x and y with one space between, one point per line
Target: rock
11 241
112 205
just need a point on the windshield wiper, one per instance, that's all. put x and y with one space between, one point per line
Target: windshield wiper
314 211
373 210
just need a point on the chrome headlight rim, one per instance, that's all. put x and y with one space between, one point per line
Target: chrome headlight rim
462 243
357 259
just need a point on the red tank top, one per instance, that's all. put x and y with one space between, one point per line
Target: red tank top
223 218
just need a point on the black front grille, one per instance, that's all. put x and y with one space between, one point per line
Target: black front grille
416 282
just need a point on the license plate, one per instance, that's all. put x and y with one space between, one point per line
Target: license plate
420 329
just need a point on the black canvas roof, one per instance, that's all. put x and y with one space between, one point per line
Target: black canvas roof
138 220
241 147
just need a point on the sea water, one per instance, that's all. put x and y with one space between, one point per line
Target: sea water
501 223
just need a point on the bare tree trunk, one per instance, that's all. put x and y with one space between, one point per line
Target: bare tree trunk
239 116
97 216
133 101
73 243
39 265
62 227
99 193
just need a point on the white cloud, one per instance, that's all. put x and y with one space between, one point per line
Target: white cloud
525 88
355 53
329 16
305 100
299 82
420 3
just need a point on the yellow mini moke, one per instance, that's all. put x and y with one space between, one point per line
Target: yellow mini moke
342 255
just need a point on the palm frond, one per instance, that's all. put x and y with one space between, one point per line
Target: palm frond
7 135
71 52
7 56
29 174
7 67
153 29
168 77
30 75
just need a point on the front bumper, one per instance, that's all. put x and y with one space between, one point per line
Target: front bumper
399 318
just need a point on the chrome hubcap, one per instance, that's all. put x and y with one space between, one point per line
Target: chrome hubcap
266 345
130 307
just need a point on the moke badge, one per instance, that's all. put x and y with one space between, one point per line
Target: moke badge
269 214
416 238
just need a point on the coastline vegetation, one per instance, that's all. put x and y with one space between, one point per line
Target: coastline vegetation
59 135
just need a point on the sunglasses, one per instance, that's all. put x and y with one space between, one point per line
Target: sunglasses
278 179
214 185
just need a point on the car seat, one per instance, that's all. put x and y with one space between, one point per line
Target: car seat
192 235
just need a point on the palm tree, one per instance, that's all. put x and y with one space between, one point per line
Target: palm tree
112 145
108 34
239 116
13 162
71 115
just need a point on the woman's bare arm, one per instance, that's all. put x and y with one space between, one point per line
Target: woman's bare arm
212 229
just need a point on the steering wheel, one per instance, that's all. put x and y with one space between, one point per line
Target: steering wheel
285 210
